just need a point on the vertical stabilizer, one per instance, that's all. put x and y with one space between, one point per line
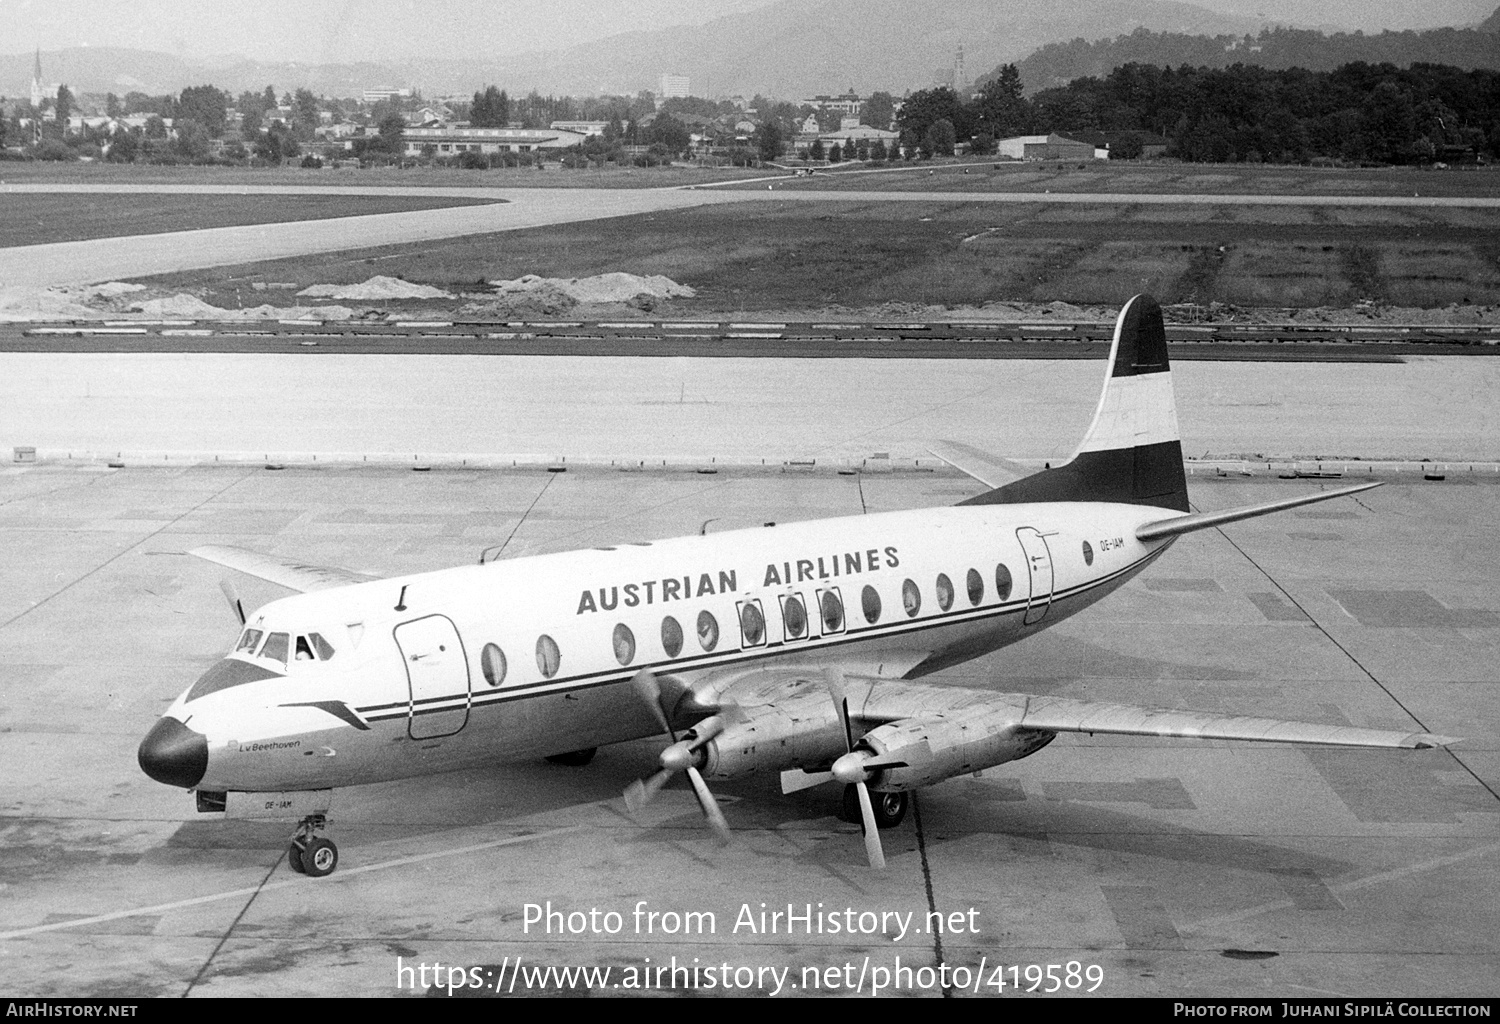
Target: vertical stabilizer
1131 453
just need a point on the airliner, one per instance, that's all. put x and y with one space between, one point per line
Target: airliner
795 649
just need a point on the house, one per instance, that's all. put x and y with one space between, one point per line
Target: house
858 134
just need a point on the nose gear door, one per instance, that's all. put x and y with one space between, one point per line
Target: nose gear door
437 672
1039 566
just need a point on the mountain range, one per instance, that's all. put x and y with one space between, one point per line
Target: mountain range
790 49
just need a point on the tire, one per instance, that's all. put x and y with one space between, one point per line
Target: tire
294 858
320 858
890 808
574 758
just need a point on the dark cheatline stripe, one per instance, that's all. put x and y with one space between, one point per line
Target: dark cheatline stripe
1143 340
553 687
1149 475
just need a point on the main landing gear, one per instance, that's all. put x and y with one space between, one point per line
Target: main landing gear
310 853
890 808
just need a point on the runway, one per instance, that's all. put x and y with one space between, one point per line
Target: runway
136 256
1177 868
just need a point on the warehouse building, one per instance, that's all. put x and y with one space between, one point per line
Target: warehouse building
1044 147
452 141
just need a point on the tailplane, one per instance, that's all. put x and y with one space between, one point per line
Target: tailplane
1131 453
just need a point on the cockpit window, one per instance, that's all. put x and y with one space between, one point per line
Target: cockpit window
276 647
250 640
322 647
304 649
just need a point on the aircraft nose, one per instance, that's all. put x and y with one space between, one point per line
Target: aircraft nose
174 754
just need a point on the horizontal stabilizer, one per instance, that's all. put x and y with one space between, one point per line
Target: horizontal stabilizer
1203 520
990 470
298 576
1060 714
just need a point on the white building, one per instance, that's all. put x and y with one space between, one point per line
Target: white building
452 141
582 127
668 86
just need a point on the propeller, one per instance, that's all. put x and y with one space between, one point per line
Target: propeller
233 597
856 768
682 755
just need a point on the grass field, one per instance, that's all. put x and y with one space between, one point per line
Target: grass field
33 218
982 175
787 256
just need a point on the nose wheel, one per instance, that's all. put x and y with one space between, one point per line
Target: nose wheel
309 853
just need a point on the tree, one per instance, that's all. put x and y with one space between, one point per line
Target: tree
192 139
490 109
64 106
305 116
268 99
816 152
124 146
112 105
207 106
768 141
1000 110
835 154
878 111
156 128
392 127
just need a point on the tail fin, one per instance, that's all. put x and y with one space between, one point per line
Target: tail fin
1131 453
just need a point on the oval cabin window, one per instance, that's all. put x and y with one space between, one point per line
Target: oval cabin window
975 586
492 664
944 591
548 657
911 598
869 600
671 637
833 612
1002 582
624 641
752 625
794 616
1088 553
708 631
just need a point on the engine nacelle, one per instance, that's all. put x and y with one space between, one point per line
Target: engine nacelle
797 733
939 747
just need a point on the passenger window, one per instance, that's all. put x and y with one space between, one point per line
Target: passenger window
304 649
624 641
275 648
752 624
794 616
911 598
250 641
708 631
944 591
869 598
833 611
976 586
1002 582
548 657
492 664
321 647
1088 553
671 637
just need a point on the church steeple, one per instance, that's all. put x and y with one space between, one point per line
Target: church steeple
36 81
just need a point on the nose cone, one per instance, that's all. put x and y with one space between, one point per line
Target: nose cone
174 754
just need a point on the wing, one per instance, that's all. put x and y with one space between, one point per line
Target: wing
990 470
1059 714
297 576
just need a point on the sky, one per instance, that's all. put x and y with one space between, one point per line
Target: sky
319 31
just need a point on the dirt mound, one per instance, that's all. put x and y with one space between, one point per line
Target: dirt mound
374 290
615 287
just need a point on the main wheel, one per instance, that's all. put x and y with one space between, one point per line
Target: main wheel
320 858
574 758
294 857
890 808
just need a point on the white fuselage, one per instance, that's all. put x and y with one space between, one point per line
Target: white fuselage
414 682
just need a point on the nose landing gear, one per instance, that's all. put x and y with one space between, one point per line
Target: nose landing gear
309 853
